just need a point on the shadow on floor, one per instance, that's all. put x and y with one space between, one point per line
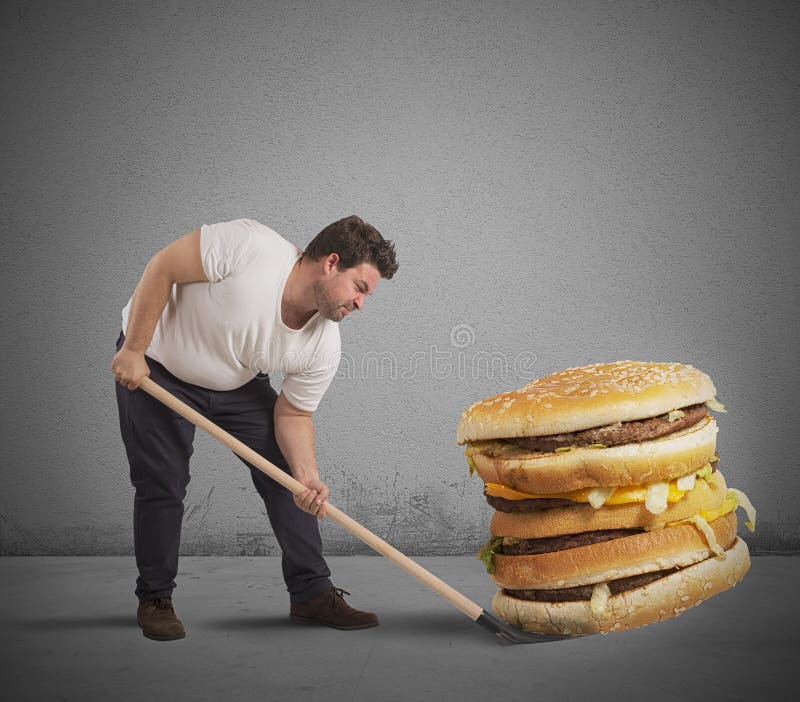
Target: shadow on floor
241 623
451 626
444 626
114 621
410 623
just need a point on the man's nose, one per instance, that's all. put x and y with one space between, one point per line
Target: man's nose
358 302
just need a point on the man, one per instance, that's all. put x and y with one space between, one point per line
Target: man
214 313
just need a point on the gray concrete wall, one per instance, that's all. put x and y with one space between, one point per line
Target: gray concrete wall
565 182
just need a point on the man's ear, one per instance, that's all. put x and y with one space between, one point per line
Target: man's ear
331 262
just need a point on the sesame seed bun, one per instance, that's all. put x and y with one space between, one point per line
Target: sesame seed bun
585 397
667 597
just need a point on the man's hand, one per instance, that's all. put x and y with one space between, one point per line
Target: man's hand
129 368
315 499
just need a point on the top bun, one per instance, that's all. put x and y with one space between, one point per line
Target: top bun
586 397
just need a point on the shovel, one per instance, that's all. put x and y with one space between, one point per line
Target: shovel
504 633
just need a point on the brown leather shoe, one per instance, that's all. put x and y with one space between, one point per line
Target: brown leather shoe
158 620
330 609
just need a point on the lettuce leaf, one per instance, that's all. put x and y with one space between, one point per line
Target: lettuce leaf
487 551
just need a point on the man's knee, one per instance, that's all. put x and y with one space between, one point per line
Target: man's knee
163 482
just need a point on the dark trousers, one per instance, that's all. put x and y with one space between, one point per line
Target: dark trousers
158 442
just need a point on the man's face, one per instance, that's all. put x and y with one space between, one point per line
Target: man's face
343 290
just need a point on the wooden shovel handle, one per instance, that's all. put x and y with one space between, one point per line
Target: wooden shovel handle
453 596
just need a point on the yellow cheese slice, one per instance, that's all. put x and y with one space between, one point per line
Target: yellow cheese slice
620 496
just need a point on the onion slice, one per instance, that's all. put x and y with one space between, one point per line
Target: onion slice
600 595
599 496
655 500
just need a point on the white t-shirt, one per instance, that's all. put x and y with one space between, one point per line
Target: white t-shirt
220 334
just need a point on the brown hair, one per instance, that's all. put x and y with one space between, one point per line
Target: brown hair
355 242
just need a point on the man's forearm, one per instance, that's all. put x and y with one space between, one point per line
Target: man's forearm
148 302
295 437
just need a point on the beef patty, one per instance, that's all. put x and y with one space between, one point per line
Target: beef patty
501 504
529 547
584 592
615 434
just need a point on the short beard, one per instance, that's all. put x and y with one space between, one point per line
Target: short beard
328 307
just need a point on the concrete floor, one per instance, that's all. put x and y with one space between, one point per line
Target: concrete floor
69 633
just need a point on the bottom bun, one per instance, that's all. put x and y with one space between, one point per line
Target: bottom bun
664 598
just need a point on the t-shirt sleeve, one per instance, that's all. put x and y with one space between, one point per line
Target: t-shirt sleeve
306 389
226 247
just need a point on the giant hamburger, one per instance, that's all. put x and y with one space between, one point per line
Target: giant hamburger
611 511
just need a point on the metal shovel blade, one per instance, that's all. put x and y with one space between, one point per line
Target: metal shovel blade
506 634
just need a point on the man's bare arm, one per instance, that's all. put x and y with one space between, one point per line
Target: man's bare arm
294 432
177 263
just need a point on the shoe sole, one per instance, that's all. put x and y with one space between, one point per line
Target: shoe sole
156 637
307 620
162 637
